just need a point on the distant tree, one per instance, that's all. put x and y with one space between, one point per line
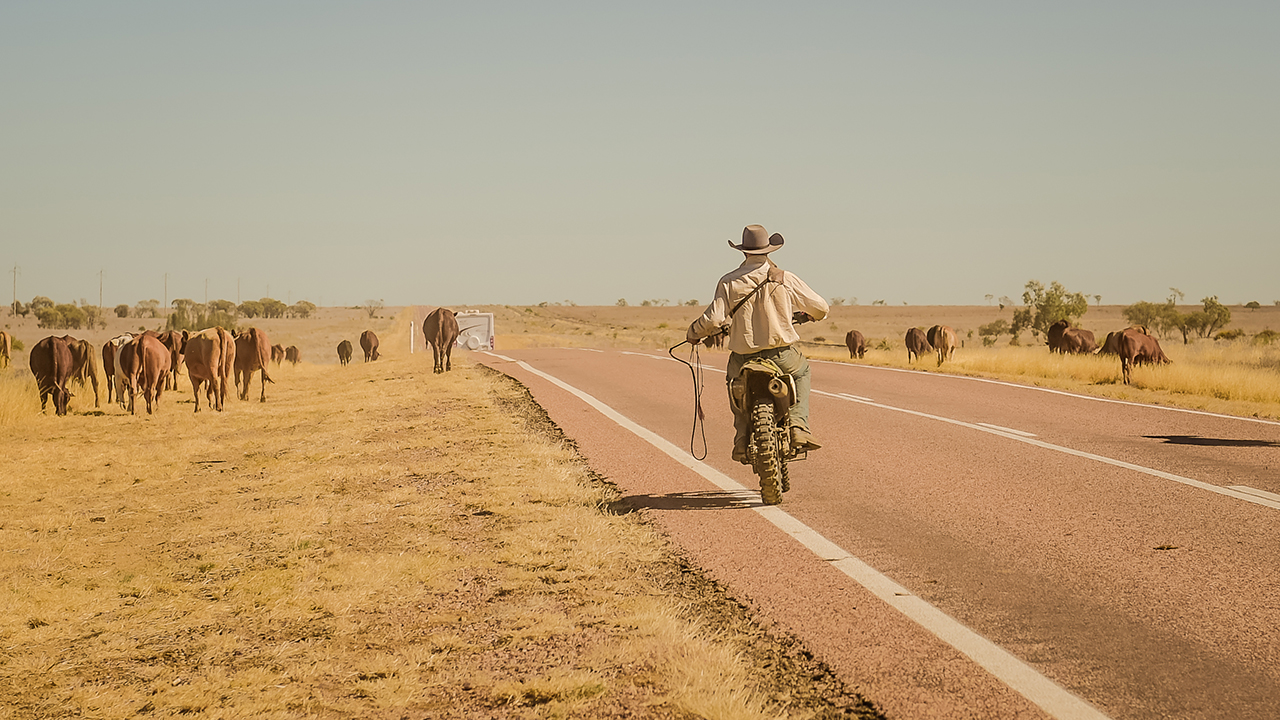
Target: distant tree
222 306
995 328
94 316
272 308
1046 306
373 306
646 303
989 297
877 302
1253 304
837 301
302 309
1097 300
19 308
692 303
250 309
622 302
1219 314
40 302
1005 301
122 311
148 308
1157 317
1176 295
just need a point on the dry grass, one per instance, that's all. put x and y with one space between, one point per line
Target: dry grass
373 540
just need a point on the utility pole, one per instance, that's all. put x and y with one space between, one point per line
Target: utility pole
237 292
99 289
166 294
206 292
16 269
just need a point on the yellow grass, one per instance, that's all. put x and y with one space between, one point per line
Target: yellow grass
373 541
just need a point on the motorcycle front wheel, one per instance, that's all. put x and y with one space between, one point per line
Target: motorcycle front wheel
767 460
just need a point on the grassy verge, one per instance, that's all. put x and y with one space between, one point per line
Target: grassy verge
374 541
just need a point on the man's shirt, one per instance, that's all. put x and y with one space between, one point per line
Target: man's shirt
764 320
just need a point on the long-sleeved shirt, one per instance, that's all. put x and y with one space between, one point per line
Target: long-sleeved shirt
764 320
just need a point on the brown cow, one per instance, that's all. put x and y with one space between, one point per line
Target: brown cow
344 352
210 358
151 358
84 367
1065 339
293 354
916 344
441 330
111 350
253 353
50 362
173 340
6 348
856 343
277 354
128 371
1135 347
943 339
369 343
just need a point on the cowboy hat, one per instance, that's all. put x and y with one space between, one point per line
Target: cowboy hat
757 241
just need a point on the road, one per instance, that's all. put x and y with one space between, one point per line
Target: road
963 548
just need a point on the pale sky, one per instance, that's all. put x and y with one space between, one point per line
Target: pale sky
515 153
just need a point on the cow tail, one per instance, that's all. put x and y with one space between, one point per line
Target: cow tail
264 359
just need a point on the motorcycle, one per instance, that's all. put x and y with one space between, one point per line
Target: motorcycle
763 394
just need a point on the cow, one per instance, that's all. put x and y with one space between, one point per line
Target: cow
1135 347
916 344
110 349
210 357
253 353
128 370
50 362
441 330
344 352
1065 339
6 348
151 358
172 340
856 343
293 354
84 368
369 343
277 354
943 339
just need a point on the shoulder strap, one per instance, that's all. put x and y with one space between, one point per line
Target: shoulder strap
775 275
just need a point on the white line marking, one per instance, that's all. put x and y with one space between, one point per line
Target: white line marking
1024 679
1014 435
1255 491
589 350
1023 433
856 397
1051 390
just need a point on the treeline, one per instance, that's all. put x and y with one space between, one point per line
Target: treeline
183 314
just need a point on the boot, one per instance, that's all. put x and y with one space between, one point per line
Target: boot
802 441
740 451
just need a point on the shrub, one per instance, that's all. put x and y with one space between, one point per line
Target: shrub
1235 334
122 311
1266 337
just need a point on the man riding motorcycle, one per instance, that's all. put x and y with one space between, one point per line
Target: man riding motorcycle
758 303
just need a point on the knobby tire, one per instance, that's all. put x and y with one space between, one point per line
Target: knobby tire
767 461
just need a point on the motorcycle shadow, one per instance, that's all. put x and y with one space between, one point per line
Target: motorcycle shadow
702 500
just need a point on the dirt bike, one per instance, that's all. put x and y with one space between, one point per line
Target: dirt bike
763 394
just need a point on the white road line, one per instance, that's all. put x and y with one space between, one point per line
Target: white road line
856 397
1015 435
1255 491
1023 433
589 350
1055 700
1052 391
647 355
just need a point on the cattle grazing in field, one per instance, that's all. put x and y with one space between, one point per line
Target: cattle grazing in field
917 344
128 370
943 339
210 358
6 348
441 330
1065 339
150 369
1135 347
277 354
110 350
84 366
50 362
856 343
293 354
344 352
369 343
173 340
253 354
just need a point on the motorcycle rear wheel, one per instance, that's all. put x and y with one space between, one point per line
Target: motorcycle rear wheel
767 461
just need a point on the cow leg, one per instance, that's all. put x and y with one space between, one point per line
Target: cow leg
195 391
448 357
264 386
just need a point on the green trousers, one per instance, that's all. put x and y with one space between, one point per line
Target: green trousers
789 360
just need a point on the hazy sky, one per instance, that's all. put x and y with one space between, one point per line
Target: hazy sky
489 152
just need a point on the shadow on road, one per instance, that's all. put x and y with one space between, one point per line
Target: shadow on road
705 500
1211 442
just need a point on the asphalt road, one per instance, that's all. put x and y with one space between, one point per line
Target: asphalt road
964 548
